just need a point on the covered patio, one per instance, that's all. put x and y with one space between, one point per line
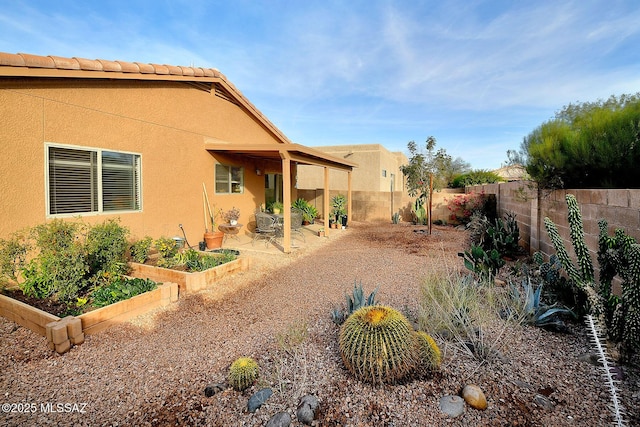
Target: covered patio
280 158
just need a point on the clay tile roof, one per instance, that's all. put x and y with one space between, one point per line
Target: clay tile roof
65 63
11 59
36 61
160 69
89 64
128 67
146 68
173 70
110 65
187 71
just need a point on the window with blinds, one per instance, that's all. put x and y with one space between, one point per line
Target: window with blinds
92 181
229 179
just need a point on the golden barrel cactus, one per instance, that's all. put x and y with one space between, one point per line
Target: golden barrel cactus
377 345
429 356
243 373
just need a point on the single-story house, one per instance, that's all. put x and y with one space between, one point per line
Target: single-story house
102 139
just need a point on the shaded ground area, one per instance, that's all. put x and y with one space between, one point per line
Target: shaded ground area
153 370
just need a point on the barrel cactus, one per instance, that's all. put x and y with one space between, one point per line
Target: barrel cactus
243 373
377 344
429 356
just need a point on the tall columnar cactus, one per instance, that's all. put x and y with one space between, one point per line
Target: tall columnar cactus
617 255
377 345
429 355
243 373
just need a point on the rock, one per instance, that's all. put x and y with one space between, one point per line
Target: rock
212 389
543 402
258 399
500 283
281 419
474 396
307 408
452 405
590 358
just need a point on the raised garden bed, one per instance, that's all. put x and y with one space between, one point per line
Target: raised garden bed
189 282
62 333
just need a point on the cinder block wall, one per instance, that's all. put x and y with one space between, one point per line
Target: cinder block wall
620 207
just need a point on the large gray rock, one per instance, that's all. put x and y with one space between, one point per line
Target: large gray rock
452 405
281 419
258 399
307 408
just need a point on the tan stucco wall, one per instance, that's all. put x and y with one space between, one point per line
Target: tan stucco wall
372 159
166 123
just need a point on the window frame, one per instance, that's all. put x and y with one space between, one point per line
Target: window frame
99 178
229 179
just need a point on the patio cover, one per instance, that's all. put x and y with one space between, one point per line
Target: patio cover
287 153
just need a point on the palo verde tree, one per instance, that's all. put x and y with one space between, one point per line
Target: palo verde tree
587 145
429 168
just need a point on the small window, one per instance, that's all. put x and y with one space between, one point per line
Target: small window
229 179
92 181
384 173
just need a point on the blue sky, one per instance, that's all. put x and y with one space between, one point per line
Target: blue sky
477 75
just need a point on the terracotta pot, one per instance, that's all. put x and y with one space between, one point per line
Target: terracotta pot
213 239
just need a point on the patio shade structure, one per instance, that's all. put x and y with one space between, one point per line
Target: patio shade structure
289 155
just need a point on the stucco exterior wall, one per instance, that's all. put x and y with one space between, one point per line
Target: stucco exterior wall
166 123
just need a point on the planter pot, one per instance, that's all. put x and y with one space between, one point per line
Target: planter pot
276 211
334 225
344 221
214 239
320 233
233 222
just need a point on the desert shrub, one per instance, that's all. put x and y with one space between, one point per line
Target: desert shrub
458 308
60 268
140 249
463 206
475 178
106 250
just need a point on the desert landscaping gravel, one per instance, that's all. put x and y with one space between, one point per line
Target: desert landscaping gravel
153 370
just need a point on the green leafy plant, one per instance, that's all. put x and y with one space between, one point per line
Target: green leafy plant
140 250
166 247
309 212
339 207
121 289
106 250
376 345
504 235
475 177
243 373
60 268
13 253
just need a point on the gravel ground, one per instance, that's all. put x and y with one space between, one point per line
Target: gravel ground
153 371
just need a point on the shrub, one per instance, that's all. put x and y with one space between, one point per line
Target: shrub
13 252
106 250
60 269
475 178
140 250
243 373
376 344
463 206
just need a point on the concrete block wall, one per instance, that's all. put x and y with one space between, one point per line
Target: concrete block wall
620 207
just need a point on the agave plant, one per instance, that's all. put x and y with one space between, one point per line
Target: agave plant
354 301
535 312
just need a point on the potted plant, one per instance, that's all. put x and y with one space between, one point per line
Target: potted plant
232 216
321 232
339 211
276 207
309 212
213 239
